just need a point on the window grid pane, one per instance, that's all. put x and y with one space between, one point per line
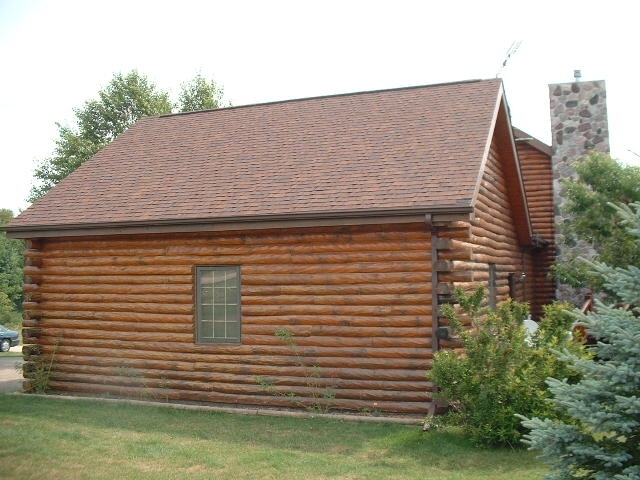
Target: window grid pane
218 304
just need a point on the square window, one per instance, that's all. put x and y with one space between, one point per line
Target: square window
218 304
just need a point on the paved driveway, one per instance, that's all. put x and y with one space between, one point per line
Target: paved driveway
10 377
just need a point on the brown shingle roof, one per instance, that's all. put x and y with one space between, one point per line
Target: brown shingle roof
409 148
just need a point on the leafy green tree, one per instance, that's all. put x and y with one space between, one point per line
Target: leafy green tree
500 371
592 219
122 103
11 277
200 94
600 436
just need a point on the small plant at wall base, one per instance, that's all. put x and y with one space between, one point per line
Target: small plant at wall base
38 369
321 396
500 371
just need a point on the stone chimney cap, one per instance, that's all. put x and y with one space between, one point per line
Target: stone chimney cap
577 74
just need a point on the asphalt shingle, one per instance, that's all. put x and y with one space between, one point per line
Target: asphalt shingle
394 149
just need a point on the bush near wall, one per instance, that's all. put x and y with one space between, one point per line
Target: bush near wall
500 371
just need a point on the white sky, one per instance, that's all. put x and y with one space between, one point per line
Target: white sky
57 54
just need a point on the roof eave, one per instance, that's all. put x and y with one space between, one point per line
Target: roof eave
249 222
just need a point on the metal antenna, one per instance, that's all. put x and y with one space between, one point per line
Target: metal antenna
512 50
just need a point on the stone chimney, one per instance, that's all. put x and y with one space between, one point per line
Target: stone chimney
578 125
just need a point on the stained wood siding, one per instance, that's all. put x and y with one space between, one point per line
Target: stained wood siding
490 238
119 314
538 181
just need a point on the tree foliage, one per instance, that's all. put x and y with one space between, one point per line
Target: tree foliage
200 94
500 372
601 182
600 437
11 277
119 105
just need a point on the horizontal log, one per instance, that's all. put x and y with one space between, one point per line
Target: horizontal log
120 298
339 331
247 269
50 306
117 288
346 289
30 306
489 240
490 222
358 268
393 393
98 279
498 259
351 380
340 342
33 258
403 320
128 271
179 244
31 333
61 334
252 334
338 279
88 315
450 255
118 326
30 287
460 233
232 363
494 194
33 296
241 256
147 348
271 321
242 373
338 310
336 300
336 245
453 277
258 401
30 322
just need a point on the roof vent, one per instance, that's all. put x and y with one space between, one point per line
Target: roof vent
577 74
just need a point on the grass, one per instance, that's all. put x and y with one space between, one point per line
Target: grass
90 439
11 354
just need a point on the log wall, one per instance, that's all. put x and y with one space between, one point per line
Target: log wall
494 236
119 314
469 248
538 181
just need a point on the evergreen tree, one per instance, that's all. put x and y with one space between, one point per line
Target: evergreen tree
600 438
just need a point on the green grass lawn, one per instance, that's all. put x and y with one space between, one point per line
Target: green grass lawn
87 439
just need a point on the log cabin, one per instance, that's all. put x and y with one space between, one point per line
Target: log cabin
285 254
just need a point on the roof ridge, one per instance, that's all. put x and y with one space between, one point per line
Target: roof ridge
331 95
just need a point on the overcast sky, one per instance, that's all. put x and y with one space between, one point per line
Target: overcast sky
57 54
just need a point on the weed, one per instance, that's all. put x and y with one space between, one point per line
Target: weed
37 369
321 396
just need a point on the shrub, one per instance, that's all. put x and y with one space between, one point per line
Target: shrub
500 370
